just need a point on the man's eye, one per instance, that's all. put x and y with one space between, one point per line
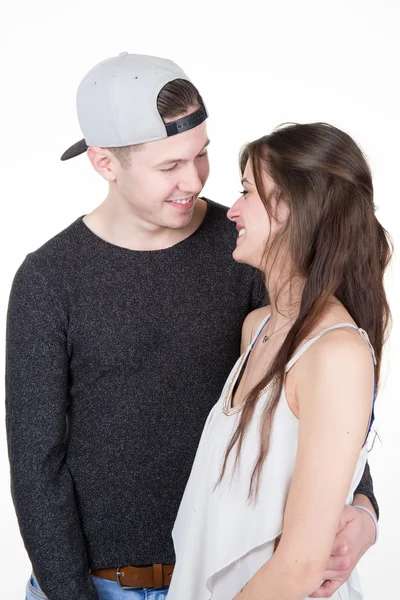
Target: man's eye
202 154
171 168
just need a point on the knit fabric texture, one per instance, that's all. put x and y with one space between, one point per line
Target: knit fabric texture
114 359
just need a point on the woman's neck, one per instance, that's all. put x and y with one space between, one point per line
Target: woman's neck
284 301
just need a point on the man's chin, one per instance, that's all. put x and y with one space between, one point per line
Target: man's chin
179 223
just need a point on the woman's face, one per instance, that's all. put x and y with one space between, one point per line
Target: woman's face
254 226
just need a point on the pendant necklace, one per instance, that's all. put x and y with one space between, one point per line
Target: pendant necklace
267 337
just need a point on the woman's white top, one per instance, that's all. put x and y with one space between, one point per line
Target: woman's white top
221 539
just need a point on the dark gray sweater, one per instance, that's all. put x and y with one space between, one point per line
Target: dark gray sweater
114 359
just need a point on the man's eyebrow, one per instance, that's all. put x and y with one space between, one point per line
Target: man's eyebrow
179 160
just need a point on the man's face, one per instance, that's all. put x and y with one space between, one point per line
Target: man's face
164 179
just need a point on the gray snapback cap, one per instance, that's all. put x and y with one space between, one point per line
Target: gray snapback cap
117 103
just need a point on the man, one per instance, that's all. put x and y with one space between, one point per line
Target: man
119 345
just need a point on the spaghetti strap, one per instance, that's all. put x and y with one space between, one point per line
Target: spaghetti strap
364 335
309 343
259 330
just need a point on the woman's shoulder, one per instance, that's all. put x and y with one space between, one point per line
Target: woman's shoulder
251 323
337 345
337 332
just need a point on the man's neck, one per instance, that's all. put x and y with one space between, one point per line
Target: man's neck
124 229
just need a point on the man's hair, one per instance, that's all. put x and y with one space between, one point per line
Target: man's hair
175 98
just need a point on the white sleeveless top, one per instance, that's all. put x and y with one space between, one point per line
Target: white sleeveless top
221 540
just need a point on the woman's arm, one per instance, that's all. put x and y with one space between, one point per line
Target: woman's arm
356 534
333 389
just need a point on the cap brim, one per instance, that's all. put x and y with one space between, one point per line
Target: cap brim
78 148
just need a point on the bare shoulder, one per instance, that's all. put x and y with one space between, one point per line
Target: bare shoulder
338 356
338 346
250 324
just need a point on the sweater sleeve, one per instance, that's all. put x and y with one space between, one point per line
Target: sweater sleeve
366 488
37 369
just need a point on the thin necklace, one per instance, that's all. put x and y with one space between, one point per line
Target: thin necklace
267 337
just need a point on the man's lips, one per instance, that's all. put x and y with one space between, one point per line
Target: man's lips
182 204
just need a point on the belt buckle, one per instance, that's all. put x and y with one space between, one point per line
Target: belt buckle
119 574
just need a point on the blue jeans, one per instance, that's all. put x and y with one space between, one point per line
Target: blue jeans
33 591
106 590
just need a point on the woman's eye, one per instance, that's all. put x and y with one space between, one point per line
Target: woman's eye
243 192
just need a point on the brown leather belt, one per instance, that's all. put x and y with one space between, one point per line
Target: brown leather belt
156 576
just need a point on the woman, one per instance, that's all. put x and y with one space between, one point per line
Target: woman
285 446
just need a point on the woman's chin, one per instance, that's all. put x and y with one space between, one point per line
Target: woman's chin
241 257
236 255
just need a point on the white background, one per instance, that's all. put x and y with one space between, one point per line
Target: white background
257 64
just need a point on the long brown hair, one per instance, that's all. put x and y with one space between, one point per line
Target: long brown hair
335 243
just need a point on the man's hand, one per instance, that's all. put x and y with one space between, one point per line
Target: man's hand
356 533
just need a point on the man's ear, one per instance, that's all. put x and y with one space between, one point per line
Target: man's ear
103 162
